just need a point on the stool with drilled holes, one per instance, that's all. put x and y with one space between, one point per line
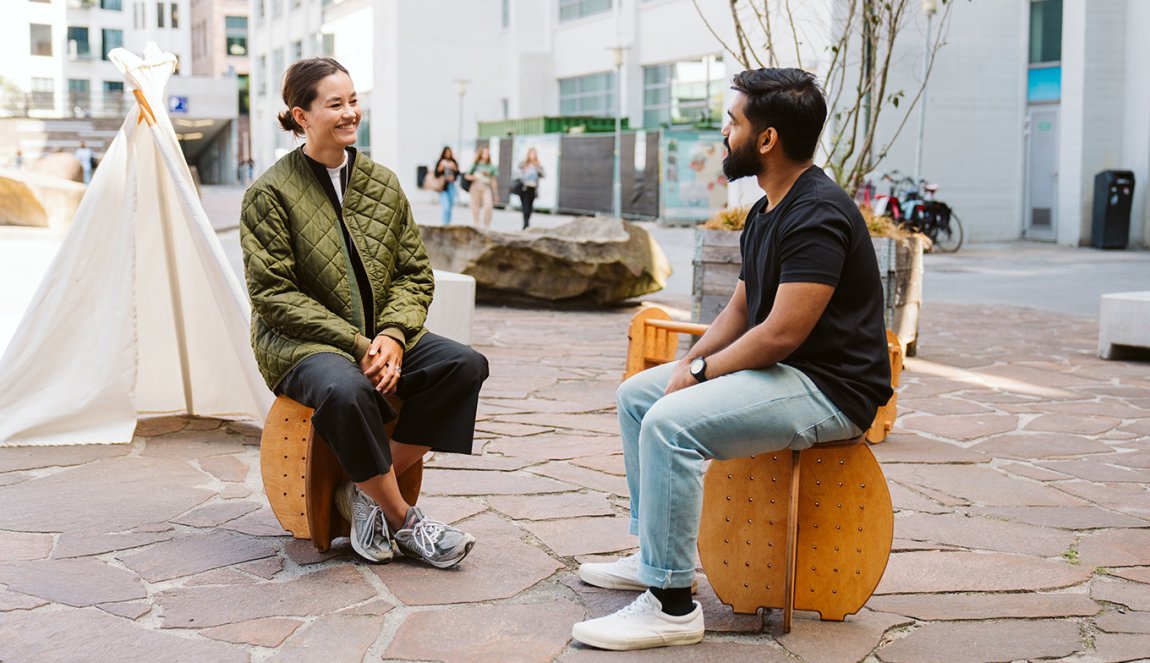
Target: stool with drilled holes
301 474
797 530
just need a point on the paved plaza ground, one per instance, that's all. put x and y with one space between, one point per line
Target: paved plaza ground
1018 467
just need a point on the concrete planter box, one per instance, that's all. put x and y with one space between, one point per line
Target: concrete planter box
717 265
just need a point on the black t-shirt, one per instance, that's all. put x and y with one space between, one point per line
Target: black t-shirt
817 235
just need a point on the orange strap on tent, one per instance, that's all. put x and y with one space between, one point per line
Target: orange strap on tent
146 113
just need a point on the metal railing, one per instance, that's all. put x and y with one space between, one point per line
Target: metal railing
71 104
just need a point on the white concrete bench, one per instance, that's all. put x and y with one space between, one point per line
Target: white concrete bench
453 306
1124 325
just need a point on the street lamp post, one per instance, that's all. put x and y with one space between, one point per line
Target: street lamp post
929 7
617 184
461 86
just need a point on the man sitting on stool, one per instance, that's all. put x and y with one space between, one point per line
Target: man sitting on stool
797 357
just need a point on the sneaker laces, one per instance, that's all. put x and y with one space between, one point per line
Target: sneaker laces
425 534
646 603
375 520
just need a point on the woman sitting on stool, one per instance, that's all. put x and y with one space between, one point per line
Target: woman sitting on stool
340 284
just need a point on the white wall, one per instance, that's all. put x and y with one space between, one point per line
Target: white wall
417 57
1136 127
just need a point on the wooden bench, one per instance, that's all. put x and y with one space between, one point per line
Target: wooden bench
301 474
796 530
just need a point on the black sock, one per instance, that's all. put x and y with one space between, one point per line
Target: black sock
676 600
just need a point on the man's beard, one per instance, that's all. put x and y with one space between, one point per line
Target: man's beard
742 162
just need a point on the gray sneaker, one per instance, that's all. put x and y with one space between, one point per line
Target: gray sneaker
436 543
369 535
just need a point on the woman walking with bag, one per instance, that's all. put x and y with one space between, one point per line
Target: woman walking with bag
530 170
447 169
340 284
484 187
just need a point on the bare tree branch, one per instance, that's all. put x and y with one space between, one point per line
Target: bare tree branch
718 38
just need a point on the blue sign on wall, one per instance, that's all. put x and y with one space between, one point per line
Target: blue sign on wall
177 104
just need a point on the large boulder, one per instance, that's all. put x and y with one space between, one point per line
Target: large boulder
588 261
35 199
59 164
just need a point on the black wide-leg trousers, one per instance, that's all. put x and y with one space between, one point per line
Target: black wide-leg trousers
439 388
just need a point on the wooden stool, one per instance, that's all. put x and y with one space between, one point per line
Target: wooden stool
806 530
301 474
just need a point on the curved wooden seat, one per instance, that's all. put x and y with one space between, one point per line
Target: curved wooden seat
806 530
301 474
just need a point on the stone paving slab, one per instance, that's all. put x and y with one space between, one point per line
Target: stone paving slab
983 534
851 640
527 633
1124 622
75 582
976 642
963 607
941 572
41 635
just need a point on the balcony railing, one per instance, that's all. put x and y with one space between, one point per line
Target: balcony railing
71 104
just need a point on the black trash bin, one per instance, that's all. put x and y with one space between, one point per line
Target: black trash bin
1113 196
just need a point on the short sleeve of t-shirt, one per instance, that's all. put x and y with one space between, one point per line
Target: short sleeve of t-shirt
813 248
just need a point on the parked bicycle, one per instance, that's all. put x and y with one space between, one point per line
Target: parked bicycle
911 205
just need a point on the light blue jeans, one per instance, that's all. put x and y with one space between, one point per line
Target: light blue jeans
447 201
667 438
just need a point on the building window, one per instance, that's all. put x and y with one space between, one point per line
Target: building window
506 13
110 39
329 44
138 15
570 10
78 46
41 38
243 82
277 8
159 14
43 93
1044 78
112 5
236 28
297 50
114 97
174 14
593 94
689 92
79 95
262 76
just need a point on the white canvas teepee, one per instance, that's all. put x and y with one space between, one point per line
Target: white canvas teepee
139 311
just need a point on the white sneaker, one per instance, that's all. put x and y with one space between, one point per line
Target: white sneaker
641 625
620 574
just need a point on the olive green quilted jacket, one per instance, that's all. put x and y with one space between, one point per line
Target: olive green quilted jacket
297 273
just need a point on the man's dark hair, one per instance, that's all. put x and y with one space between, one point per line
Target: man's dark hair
788 100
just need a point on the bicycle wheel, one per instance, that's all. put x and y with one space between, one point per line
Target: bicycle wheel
948 238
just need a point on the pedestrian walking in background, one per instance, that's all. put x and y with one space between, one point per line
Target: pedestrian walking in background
340 284
484 187
447 168
530 170
18 162
84 154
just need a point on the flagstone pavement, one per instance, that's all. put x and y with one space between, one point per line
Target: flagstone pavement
1018 469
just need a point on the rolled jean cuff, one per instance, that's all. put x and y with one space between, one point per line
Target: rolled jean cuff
633 528
663 579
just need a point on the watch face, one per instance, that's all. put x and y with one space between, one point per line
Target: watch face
698 366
